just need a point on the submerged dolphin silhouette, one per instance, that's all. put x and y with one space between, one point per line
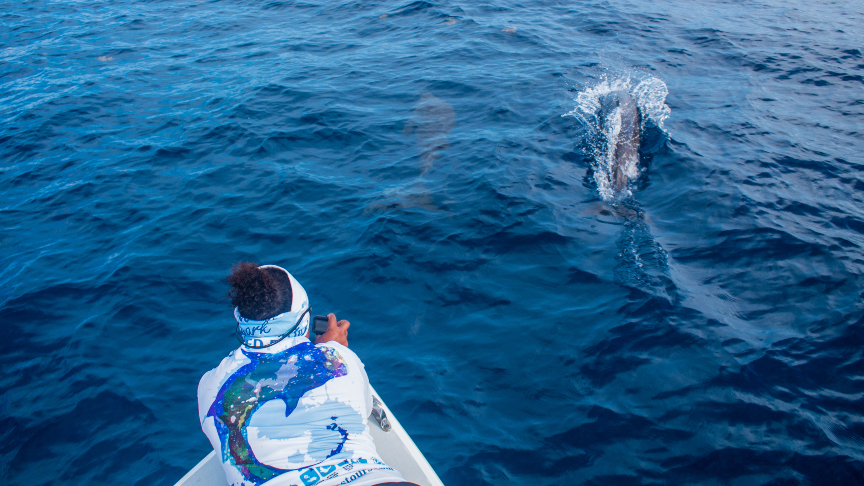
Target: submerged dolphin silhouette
620 122
432 123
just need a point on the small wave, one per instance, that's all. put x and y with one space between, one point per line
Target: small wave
650 96
642 263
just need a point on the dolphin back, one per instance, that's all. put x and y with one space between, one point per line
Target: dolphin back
621 123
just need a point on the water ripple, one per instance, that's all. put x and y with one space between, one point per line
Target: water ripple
408 161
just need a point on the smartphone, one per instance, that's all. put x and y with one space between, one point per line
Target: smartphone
320 324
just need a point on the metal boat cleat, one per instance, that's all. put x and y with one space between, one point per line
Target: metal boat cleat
379 414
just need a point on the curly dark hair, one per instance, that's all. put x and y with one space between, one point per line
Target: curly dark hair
259 293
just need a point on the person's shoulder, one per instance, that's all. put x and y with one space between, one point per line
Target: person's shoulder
221 370
336 346
343 350
207 377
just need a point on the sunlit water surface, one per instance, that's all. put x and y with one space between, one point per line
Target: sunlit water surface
430 172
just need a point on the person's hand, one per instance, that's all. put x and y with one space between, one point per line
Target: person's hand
336 331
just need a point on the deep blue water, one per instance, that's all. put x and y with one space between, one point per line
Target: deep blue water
410 164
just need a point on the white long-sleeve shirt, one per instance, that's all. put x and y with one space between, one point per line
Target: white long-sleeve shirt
292 414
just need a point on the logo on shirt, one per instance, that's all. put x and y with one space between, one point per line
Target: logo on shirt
282 376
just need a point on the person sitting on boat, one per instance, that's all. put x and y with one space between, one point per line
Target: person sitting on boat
280 410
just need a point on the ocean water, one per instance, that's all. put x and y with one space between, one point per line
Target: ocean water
433 173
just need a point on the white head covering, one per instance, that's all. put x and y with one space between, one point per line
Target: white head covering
272 330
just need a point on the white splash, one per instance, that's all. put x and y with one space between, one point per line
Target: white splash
650 95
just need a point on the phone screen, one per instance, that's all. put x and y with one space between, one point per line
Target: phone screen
320 324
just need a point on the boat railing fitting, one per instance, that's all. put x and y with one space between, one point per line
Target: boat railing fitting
379 414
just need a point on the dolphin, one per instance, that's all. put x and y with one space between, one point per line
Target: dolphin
432 123
620 122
